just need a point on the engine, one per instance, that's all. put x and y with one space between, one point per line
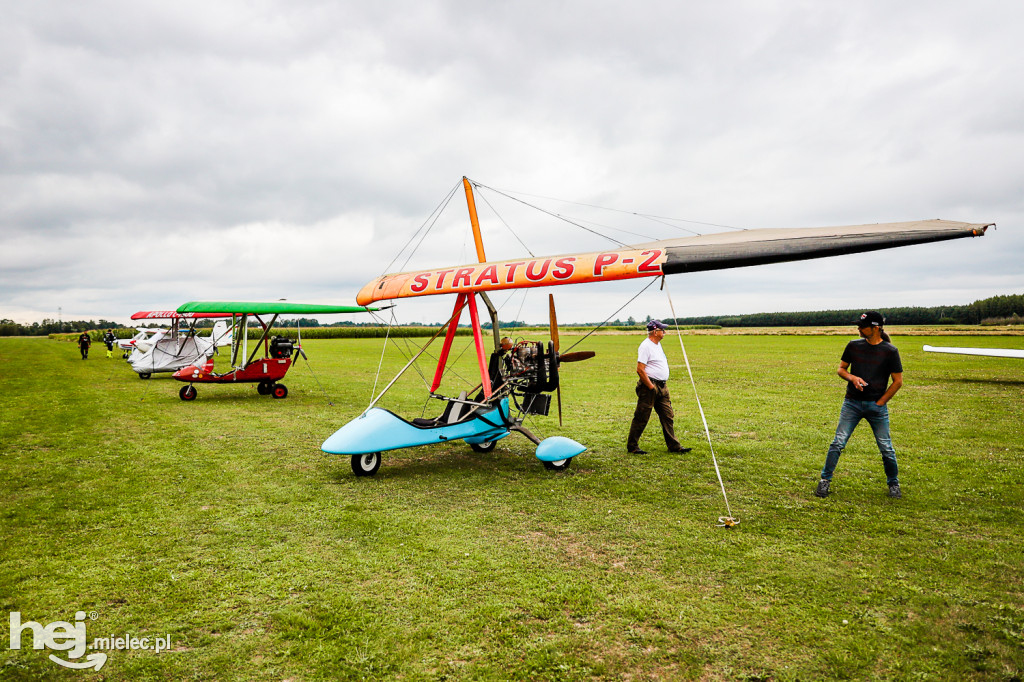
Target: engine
530 369
281 347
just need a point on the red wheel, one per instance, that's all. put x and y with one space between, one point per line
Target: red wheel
188 392
279 391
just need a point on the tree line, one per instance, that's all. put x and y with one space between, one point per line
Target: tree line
48 326
1007 309
997 309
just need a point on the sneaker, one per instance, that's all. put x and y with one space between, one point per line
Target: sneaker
822 490
894 491
637 452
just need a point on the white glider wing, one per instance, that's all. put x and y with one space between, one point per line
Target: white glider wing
991 352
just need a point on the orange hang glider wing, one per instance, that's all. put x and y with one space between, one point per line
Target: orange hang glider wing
667 257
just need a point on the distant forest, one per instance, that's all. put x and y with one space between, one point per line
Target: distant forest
48 326
995 310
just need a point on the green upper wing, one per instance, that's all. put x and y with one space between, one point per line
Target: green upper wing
270 308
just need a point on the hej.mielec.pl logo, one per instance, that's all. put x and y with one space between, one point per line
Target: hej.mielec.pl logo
70 637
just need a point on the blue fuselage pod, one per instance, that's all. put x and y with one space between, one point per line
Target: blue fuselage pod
379 430
557 448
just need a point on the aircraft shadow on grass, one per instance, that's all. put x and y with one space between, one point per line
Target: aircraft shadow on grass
991 382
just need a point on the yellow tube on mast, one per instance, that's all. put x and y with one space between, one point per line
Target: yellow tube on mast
471 203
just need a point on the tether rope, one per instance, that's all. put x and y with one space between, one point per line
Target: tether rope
723 521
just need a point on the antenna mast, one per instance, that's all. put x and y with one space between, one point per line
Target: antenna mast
491 311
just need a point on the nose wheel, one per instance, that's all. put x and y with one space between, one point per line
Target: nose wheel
188 393
560 465
366 465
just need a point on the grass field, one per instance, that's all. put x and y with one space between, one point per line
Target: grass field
221 524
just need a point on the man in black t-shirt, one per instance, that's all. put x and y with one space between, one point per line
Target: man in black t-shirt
866 366
84 341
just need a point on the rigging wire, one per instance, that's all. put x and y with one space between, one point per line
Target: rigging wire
521 303
411 362
432 220
723 521
507 226
554 215
610 316
649 216
384 347
407 352
619 229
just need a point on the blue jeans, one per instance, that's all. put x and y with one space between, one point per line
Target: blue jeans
878 417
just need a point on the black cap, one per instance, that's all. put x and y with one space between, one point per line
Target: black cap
656 324
870 319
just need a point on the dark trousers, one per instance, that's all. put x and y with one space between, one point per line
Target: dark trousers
659 401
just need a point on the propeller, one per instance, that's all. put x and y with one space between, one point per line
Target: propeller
577 356
298 344
553 320
553 324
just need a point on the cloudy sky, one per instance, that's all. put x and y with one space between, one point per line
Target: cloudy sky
155 153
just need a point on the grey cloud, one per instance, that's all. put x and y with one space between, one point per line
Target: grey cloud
131 134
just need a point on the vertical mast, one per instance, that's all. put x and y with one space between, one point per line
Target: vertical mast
471 203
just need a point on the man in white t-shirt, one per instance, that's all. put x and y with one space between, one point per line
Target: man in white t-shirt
652 391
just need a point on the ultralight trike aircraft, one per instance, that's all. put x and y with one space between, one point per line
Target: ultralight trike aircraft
168 350
521 376
141 338
278 352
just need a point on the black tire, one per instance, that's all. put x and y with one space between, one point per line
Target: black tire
188 393
263 388
366 465
560 465
279 391
144 375
486 446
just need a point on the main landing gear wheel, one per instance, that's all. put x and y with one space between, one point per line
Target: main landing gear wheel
560 465
366 465
486 446
279 391
144 375
263 388
188 392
